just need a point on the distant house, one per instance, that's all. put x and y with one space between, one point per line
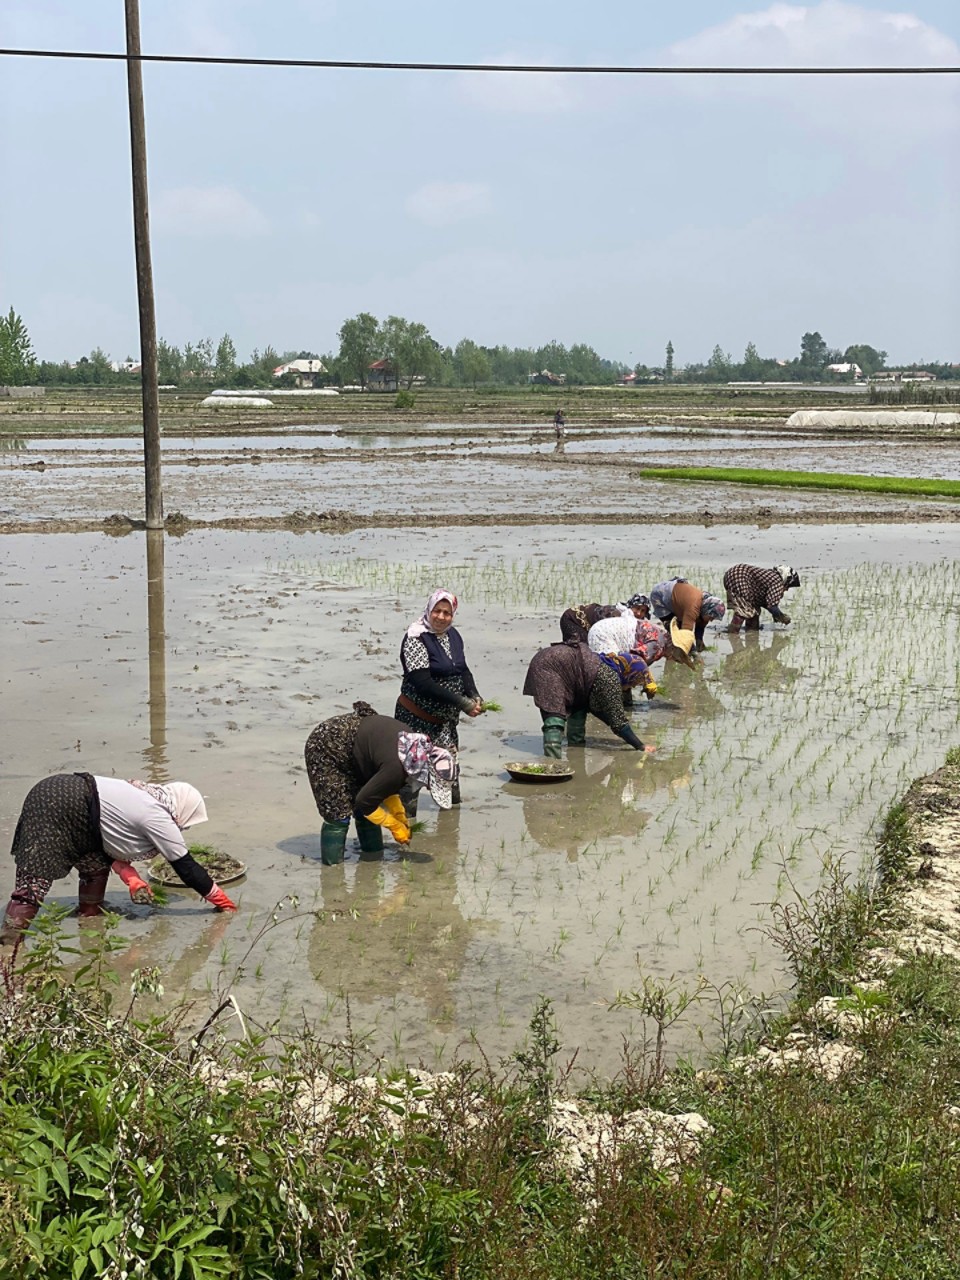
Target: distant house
897 376
382 376
547 379
125 366
307 373
627 379
846 368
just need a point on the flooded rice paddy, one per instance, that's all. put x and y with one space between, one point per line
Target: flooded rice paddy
56 480
784 750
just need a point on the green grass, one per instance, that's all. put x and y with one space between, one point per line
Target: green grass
909 485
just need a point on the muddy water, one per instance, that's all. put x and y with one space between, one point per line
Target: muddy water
784 750
204 485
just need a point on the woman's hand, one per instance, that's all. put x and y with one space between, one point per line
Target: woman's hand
476 709
649 750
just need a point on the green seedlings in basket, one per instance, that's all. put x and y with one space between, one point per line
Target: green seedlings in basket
489 704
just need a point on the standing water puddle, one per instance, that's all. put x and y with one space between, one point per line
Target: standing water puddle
787 748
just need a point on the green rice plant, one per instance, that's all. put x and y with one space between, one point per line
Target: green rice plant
912 486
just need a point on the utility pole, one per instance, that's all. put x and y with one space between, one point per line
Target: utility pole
141 236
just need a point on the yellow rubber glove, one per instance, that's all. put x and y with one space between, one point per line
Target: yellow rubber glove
399 830
650 688
394 806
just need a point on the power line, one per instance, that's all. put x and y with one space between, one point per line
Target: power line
485 67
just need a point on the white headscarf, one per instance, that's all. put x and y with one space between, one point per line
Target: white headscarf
424 624
186 803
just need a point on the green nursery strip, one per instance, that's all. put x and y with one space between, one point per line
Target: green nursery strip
809 480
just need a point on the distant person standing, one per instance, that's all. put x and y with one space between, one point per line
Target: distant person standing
560 427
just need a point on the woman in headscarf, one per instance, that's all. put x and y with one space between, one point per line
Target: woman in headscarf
437 683
357 765
692 608
575 622
92 823
566 681
750 589
625 634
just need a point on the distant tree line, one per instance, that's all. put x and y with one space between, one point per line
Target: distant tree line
413 354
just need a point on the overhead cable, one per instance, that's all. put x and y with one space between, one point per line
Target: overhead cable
336 64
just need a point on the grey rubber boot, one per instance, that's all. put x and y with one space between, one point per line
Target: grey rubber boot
553 727
370 836
577 729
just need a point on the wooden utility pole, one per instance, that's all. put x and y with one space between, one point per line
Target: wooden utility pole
156 755
141 235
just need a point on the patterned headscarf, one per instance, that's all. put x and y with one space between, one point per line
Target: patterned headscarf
434 767
183 802
712 608
630 667
423 623
651 640
789 575
639 602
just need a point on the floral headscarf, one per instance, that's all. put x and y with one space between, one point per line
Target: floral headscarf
433 766
423 623
630 667
789 575
712 608
651 640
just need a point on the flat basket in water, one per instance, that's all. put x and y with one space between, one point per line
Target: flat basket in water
221 866
539 770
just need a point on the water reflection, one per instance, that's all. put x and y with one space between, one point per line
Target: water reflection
604 800
388 928
752 665
155 756
181 965
12 444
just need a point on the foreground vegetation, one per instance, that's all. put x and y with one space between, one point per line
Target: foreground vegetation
915 487
130 1149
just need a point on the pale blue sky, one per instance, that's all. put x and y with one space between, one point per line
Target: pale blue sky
618 212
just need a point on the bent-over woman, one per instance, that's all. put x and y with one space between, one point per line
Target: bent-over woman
575 622
750 589
83 821
566 681
437 683
357 765
692 607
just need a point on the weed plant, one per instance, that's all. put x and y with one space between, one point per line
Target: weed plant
129 1148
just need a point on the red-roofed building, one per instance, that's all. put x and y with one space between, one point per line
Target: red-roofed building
382 376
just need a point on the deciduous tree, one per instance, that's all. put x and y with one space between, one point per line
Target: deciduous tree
360 345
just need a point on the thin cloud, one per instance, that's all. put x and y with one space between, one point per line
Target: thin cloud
208 211
874 113
440 204
832 33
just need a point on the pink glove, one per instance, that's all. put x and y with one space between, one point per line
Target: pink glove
217 898
140 891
